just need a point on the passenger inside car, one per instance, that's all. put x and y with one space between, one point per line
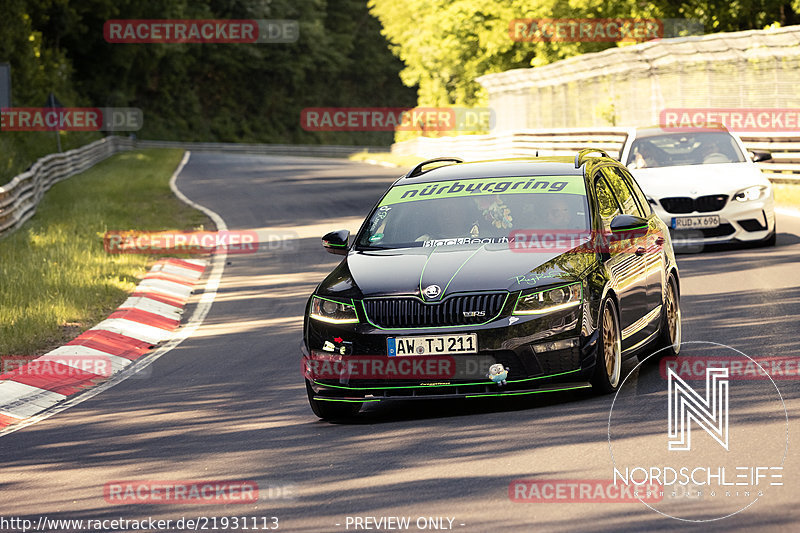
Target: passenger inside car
646 155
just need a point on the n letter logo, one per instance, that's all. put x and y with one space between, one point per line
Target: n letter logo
685 405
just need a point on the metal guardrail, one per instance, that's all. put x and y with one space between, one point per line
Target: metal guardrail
20 196
521 143
784 166
265 149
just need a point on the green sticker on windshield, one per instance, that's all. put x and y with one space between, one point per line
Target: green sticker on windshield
480 186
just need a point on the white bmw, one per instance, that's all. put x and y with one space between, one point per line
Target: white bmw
703 184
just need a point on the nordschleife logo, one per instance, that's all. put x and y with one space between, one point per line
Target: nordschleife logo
710 412
709 427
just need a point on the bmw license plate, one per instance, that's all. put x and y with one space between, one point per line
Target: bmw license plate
711 221
438 345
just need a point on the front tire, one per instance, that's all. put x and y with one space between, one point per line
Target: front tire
608 365
772 239
331 410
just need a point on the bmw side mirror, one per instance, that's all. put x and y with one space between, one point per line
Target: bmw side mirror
629 226
336 242
758 156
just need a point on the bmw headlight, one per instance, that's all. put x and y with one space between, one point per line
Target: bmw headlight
751 193
549 300
332 311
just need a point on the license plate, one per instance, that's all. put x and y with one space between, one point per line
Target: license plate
437 345
711 221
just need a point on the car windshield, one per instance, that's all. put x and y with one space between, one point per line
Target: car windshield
700 148
475 211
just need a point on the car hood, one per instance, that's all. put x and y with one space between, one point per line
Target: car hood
491 267
698 180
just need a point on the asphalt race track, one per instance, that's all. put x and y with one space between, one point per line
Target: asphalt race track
229 403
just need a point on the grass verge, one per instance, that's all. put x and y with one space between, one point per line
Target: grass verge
56 280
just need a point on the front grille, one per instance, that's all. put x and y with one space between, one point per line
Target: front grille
678 205
702 204
410 312
707 204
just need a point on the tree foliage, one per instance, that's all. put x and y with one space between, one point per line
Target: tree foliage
446 44
225 92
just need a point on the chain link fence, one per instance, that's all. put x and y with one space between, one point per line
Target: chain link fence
632 85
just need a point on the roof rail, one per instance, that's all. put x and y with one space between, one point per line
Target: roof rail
585 152
417 170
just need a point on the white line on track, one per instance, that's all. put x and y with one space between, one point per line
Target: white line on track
194 322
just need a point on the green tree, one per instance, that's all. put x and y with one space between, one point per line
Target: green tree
446 44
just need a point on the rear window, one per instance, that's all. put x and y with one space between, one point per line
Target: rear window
474 212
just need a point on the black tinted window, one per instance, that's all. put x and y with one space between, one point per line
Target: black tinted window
622 192
609 208
641 199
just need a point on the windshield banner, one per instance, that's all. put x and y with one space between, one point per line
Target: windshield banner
480 186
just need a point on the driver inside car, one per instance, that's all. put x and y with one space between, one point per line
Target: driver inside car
452 221
711 152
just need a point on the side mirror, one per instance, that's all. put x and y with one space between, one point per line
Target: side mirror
628 227
336 242
760 156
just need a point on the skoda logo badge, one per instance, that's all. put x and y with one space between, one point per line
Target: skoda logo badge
432 291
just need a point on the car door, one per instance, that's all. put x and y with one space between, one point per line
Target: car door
655 261
627 269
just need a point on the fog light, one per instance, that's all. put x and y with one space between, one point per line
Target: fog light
555 345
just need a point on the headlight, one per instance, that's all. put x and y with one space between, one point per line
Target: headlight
333 311
549 300
751 193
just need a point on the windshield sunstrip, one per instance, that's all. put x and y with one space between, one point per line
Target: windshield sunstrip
478 186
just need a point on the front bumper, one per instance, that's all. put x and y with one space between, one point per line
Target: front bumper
530 371
487 391
739 222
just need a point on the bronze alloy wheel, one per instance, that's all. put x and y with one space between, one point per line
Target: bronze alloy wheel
673 316
612 348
